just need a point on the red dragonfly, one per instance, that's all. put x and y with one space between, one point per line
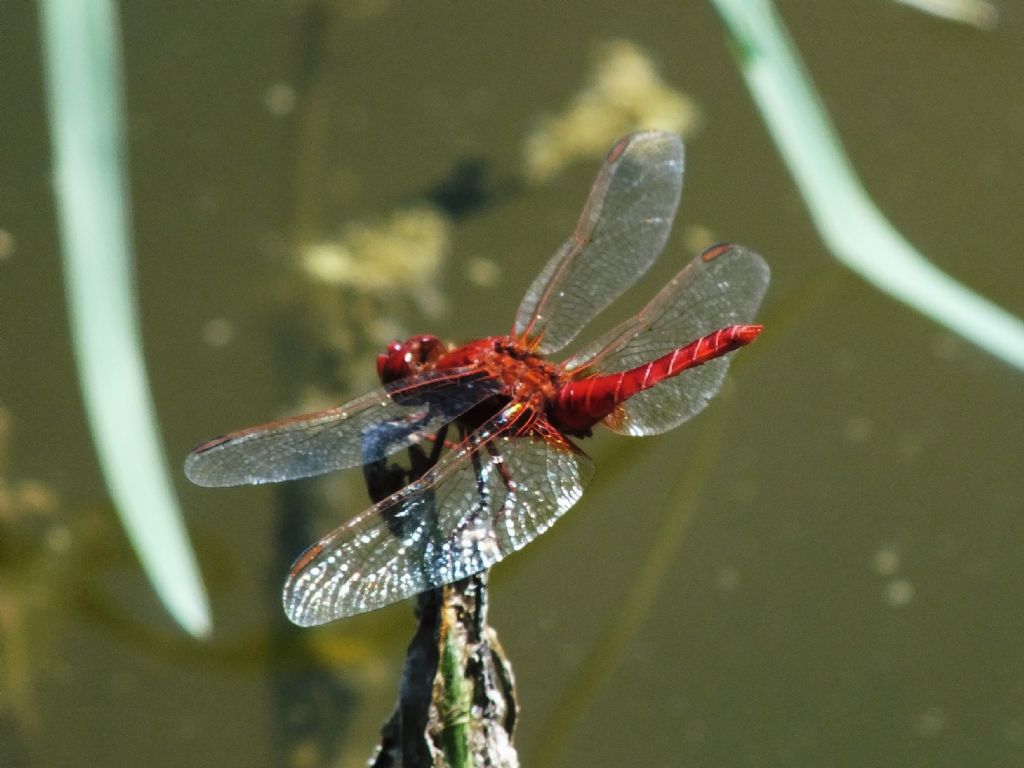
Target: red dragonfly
514 468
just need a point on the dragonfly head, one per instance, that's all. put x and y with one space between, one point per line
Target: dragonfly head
404 358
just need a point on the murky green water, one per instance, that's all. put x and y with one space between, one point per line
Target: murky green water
842 529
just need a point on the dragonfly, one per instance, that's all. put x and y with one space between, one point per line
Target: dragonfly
512 466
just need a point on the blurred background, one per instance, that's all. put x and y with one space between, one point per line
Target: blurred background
835 543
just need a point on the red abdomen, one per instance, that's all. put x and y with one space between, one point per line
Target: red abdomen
579 405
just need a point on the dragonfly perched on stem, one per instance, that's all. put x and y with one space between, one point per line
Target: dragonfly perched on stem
498 417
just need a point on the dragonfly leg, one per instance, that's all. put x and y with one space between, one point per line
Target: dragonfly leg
439 445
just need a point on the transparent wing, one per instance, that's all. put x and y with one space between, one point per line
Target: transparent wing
363 430
503 487
722 286
624 225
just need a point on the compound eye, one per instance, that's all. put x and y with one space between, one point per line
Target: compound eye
404 358
393 364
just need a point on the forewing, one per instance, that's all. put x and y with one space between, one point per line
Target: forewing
723 286
624 226
493 495
363 430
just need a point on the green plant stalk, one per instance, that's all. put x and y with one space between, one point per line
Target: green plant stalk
83 68
456 698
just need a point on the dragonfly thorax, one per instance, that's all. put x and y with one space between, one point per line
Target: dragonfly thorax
526 377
